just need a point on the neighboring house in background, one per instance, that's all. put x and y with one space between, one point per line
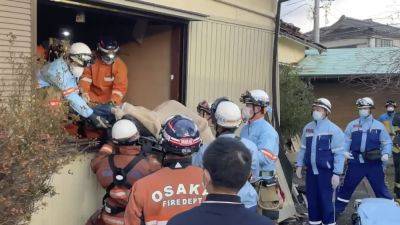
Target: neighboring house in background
330 72
293 44
354 33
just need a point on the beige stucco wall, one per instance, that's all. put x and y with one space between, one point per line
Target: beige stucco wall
78 195
290 51
251 12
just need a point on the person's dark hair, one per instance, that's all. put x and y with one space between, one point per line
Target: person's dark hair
221 130
228 161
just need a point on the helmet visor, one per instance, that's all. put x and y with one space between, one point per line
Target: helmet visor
83 59
109 57
184 129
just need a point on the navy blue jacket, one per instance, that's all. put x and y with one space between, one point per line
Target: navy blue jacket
220 210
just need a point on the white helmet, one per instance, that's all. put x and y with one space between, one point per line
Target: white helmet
81 54
255 97
228 115
365 102
124 130
324 103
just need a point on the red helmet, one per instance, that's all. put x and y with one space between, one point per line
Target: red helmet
180 136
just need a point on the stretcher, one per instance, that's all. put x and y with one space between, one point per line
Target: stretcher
376 211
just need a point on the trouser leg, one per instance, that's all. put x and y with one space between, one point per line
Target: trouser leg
354 174
312 190
325 196
396 161
376 178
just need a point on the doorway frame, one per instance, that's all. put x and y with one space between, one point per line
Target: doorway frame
179 45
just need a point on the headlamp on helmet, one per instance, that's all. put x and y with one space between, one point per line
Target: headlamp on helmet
365 102
108 49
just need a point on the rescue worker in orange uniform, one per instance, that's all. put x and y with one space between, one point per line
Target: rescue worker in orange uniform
105 83
117 167
175 188
41 53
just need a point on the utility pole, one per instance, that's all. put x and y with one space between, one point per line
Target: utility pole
316 21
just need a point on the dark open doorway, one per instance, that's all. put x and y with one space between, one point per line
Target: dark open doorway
153 48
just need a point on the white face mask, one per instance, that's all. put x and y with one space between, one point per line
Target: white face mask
363 112
390 109
247 113
77 71
317 115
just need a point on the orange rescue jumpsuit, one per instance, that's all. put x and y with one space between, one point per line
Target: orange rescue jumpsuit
118 195
41 53
160 196
105 83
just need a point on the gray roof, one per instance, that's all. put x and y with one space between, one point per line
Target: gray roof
292 32
347 27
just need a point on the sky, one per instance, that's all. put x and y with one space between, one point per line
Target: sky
299 12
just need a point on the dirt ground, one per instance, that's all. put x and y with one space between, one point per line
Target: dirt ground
360 193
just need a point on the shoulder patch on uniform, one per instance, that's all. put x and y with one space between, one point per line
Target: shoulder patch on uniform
309 130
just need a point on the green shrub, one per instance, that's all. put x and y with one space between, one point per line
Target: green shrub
296 99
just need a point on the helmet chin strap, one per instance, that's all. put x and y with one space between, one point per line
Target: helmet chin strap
254 112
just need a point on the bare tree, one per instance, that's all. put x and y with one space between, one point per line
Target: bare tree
385 76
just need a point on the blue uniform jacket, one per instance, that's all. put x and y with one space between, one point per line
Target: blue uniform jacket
322 147
386 117
267 141
57 74
366 134
247 193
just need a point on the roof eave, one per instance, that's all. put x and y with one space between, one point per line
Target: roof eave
305 42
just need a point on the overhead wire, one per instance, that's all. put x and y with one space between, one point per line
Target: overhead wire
294 3
294 10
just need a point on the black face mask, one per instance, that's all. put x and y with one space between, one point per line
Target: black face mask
390 112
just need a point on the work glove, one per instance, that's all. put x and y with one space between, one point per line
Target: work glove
86 97
298 172
112 103
99 122
385 158
348 155
335 181
118 112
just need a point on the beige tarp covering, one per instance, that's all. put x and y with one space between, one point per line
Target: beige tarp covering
152 120
148 118
171 108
